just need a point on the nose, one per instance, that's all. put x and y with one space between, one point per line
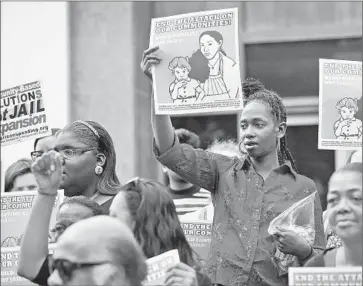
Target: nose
63 161
343 206
249 132
54 279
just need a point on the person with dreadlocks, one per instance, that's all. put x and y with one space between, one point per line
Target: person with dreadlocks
248 192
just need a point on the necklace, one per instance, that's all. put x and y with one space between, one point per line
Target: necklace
213 65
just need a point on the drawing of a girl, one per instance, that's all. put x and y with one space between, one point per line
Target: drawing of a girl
183 89
218 74
347 127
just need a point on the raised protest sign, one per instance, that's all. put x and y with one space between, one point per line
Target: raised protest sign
200 70
325 276
199 236
23 114
340 105
158 265
15 212
9 265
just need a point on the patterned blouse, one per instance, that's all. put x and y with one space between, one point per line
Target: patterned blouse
241 251
334 241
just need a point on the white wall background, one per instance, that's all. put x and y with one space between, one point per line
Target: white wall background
34 46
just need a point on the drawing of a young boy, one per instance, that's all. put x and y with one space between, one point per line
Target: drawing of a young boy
183 89
347 127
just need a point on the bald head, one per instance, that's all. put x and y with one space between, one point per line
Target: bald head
103 238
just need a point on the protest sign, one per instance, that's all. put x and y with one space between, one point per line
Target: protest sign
9 265
340 105
158 265
325 276
23 114
15 211
200 68
199 236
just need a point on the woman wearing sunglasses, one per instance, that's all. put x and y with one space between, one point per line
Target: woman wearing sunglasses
33 261
148 209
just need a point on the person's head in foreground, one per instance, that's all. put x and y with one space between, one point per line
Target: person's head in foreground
148 209
98 251
344 217
44 144
19 177
185 137
345 204
89 159
263 123
72 210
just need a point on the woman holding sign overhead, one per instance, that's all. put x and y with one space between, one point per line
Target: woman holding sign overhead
249 191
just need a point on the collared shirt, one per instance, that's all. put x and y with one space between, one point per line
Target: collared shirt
187 93
241 250
351 131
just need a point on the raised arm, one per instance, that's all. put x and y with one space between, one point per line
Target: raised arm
194 165
34 247
161 124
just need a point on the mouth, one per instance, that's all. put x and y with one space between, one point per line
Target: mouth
250 145
207 54
344 222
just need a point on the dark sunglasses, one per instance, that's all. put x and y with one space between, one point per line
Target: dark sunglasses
66 268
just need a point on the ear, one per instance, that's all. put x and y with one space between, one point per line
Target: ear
281 130
220 43
101 159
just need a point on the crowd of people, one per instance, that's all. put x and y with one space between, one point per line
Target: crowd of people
105 231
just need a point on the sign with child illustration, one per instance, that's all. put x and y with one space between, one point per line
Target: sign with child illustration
340 105
200 69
